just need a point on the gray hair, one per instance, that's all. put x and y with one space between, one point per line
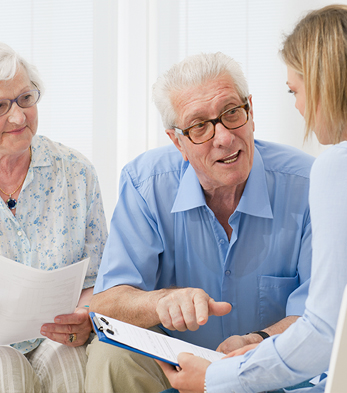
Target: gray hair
194 71
10 61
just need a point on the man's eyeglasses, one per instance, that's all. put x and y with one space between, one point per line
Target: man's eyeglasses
231 119
24 100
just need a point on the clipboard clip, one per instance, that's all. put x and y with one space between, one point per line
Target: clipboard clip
97 324
100 327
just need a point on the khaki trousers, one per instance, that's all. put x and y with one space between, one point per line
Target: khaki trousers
49 368
112 369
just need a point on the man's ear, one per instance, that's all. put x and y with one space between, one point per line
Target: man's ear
251 109
176 141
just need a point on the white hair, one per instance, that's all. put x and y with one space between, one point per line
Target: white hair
10 62
194 71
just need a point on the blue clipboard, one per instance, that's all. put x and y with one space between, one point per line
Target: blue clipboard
99 330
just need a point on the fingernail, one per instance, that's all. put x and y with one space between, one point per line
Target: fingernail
57 320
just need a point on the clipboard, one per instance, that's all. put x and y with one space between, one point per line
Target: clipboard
146 342
99 328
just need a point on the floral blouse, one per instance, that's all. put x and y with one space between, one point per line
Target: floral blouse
59 215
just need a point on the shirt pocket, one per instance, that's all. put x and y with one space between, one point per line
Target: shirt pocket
273 296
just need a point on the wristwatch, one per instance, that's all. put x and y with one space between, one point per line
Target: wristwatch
261 333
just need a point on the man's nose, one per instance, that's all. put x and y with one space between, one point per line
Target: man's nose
223 136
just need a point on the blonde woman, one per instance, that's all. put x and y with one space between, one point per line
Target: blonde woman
316 57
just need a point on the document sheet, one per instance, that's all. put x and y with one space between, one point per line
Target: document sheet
30 297
151 343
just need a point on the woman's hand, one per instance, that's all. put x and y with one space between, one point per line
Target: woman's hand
190 377
69 329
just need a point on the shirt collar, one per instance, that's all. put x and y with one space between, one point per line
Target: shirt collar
40 156
190 193
254 201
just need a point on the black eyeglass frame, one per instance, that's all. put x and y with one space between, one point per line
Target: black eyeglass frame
215 121
16 101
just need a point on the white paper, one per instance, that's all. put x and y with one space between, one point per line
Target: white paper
155 344
30 297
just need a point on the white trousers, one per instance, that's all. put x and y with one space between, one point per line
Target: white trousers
49 368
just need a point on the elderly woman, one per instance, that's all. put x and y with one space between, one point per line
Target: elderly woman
51 215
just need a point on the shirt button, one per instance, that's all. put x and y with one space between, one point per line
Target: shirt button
19 233
227 272
221 241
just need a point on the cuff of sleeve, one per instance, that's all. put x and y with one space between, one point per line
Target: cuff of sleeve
222 376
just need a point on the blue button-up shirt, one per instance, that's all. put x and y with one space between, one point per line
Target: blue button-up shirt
163 234
304 349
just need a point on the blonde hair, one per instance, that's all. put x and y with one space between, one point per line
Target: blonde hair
194 70
317 50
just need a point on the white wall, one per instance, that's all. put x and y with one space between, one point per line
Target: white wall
99 59
251 32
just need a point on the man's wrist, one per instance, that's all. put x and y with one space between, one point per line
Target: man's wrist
261 333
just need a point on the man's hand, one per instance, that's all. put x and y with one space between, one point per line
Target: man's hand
77 323
237 342
191 376
188 308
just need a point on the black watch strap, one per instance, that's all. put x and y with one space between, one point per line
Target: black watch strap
261 333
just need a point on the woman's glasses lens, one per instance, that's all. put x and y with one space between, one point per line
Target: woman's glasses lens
24 100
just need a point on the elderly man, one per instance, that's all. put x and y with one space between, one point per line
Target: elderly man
210 239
